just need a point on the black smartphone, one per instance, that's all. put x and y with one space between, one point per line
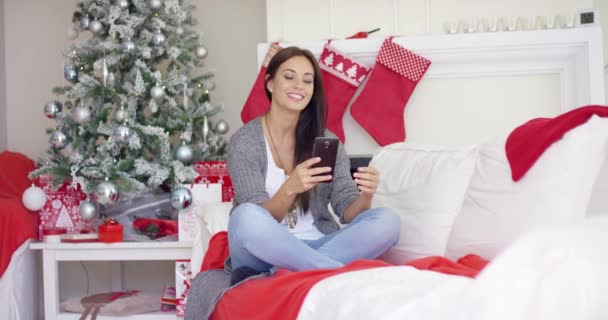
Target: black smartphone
327 150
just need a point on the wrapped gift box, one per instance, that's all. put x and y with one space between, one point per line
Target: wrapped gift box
61 209
110 231
215 172
202 194
183 279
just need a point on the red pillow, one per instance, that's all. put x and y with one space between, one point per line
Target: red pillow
14 168
217 252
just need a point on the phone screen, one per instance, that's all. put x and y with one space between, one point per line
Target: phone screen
327 150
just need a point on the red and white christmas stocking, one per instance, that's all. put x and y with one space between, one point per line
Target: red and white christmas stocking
257 102
341 77
380 105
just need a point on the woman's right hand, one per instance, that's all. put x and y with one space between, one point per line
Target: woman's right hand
304 178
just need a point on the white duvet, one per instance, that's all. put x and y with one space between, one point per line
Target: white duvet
557 273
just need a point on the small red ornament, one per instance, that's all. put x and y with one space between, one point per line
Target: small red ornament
110 231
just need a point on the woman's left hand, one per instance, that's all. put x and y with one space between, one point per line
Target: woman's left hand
367 179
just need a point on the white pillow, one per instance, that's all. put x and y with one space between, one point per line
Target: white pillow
556 189
210 218
425 185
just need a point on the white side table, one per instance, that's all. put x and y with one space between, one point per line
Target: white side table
52 253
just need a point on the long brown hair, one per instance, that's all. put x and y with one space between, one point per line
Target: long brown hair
312 120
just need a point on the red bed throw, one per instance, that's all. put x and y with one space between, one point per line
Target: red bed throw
17 224
528 142
282 294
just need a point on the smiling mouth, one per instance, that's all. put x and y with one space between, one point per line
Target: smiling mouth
295 96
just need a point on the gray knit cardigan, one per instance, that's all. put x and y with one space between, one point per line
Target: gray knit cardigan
247 163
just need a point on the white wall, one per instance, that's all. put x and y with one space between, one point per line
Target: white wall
34 40
307 20
3 130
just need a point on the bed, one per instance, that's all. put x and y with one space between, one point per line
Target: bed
534 227
19 277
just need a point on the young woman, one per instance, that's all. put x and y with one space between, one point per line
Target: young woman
281 217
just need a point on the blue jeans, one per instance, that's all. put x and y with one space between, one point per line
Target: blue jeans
258 241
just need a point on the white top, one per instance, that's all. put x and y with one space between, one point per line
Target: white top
275 176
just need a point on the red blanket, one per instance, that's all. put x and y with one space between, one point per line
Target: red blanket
17 224
282 294
528 142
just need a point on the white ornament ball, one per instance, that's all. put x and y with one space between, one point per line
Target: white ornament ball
34 198
121 115
122 134
181 198
96 27
52 109
155 4
58 140
221 127
106 193
158 38
179 30
71 33
184 153
87 210
128 46
157 92
123 4
81 114
201 52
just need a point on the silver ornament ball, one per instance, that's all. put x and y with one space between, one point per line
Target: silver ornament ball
87 210
221 127
121 115
70 73
123 4
84 23
122 134
106 193
52 109
58 140
158 38
71 33
209 85
155 4
179 30
184 153
128 46
157 92
81 114
201 52
181 198
96 27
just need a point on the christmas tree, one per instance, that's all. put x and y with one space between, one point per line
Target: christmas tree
136 109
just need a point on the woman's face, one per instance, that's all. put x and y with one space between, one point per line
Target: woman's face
293 84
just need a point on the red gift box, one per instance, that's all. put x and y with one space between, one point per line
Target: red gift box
110 231
215 172
61 209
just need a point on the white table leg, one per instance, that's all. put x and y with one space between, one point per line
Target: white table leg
51 284
116 268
